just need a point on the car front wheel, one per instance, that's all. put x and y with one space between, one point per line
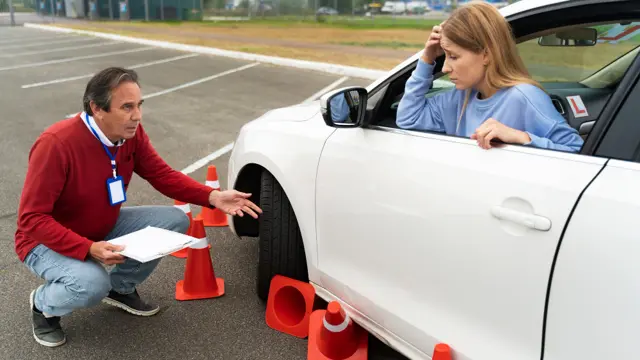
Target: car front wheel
281 246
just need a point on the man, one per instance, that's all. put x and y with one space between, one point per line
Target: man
79 170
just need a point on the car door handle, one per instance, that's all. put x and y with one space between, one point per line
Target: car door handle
532 221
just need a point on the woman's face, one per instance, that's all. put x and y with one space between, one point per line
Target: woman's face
465 68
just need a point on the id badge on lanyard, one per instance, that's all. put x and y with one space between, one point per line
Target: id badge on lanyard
115 184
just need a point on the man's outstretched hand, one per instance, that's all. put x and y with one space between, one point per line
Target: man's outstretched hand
233 202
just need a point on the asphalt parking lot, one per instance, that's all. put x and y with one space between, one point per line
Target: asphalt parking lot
195 105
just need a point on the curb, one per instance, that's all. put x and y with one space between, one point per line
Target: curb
343 70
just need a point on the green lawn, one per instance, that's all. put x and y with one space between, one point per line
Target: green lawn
18 6
377 22
382 44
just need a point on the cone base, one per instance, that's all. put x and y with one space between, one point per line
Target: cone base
296 295
213 223
315 326
182 254
208 294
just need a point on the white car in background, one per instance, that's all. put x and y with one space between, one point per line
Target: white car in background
401 7
515 253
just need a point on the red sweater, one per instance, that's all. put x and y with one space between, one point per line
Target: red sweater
64 203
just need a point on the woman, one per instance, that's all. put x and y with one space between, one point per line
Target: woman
494 97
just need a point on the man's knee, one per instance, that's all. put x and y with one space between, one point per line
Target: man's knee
90 286
177 220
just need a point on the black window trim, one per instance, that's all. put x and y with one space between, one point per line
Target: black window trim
603 128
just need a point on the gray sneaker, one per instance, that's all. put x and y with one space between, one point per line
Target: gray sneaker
46 330
131 303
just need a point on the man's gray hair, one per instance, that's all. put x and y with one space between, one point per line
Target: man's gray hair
101 85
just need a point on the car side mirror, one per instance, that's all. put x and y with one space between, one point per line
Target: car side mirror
345 107
571 37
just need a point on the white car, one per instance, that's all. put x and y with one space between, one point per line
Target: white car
513 253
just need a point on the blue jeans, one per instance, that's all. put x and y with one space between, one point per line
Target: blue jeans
71 284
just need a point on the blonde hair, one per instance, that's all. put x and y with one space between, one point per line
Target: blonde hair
478 26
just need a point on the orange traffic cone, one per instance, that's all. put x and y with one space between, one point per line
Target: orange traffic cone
182 254
187 209
200 280
289 306
441 352
334 336
213 217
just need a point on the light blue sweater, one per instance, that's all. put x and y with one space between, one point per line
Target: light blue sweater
524 107
339 108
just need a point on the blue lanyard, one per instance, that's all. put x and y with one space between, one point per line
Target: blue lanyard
111 156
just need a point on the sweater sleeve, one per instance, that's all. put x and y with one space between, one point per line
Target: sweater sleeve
544 124
171 183
45 179
415 111
560 137
339 109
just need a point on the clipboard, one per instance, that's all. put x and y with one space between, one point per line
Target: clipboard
152 243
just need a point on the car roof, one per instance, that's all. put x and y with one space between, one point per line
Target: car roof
526 5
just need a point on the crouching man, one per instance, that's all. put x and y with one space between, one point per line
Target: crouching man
78 173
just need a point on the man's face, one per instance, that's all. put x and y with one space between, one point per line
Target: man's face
125 114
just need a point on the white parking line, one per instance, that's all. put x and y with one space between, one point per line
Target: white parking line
60 49
207 159
325 89
23 45
137 66
13 39
59 61
196 82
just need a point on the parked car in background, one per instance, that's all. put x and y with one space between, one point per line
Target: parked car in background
512 253
325 10
405 7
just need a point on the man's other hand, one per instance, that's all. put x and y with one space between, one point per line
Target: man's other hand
233 202
105 252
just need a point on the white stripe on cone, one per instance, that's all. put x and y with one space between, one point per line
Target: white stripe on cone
186 208
336 328
214 184
200 244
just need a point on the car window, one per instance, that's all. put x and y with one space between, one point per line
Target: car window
589 71
580 63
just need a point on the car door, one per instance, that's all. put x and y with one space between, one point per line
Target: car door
594 293
435 239
443 240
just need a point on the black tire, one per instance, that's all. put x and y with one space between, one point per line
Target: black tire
281 246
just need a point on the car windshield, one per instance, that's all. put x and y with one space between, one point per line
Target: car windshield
581 63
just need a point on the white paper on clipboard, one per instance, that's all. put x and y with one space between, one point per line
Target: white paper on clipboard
152 243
